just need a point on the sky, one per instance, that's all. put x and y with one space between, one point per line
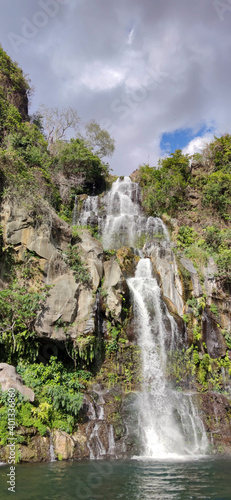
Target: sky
155 73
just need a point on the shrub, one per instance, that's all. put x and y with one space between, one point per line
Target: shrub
186 236
217 193
165 187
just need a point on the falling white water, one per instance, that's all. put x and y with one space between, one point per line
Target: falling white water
95 445
168 424
111 441
51 450
125 224
119 217
90 207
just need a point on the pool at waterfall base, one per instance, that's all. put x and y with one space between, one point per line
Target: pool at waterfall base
185 479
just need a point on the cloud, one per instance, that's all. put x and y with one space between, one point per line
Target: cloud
141 68
197 144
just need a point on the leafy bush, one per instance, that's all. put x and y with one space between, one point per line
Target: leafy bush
76 159
18 310
186 236
217 193
219 152
165 187
58 396
224 263
213 237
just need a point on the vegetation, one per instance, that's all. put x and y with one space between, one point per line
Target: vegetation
58 398
164 187
18 310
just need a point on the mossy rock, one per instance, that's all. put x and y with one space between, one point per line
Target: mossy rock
127 261
186 281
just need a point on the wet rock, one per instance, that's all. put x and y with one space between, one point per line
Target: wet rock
64 444
165 265
188 265
215 411
212 335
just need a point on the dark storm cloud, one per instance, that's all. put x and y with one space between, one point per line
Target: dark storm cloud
139 68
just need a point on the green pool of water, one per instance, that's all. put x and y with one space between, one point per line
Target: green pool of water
121 480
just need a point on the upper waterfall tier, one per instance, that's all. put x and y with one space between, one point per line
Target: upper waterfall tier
120 218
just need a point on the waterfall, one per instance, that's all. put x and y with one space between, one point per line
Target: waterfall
119 217
111 441
90 208
125 225
100 434
168 423
51 450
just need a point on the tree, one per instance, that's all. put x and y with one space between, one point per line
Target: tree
76 159
56 122
164 188
99 140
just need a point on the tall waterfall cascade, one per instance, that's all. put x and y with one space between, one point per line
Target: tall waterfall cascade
168 424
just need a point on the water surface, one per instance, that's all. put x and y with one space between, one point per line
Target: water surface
121 480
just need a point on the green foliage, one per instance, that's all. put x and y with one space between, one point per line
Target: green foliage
186 236
111 344
58 395
198 254
223 261
190 367
213 237
99 140
76 159
164 188
18 310
217 193
220 153
14 90
75 262
227 338
214 309
57 398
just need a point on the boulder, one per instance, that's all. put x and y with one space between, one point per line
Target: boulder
112 273
91 252
212 335
61 304
63 444
9 378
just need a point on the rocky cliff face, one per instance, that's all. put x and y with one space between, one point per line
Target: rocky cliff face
88 298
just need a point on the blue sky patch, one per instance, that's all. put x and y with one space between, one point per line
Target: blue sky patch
180 138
